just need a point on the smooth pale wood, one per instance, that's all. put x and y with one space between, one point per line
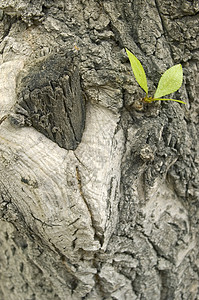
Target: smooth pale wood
63 195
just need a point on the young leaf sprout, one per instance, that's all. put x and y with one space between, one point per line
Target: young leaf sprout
169 82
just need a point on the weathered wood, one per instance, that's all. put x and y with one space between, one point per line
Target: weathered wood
115 217
49 97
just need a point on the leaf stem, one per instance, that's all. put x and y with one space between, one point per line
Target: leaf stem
164 99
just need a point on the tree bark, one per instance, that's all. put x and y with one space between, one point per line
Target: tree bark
99 195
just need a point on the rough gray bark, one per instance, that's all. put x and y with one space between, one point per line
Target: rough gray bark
50 99
116 217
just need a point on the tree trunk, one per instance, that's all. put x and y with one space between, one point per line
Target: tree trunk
99 193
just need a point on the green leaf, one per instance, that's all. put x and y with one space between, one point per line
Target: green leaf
138 71
170 81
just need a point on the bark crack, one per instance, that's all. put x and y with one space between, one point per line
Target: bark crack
44 223
79 180
3 119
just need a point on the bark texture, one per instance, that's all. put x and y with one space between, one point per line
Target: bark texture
99 197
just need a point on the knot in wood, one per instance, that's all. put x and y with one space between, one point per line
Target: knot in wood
146 153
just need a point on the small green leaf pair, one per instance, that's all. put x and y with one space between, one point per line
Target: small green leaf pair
169 82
